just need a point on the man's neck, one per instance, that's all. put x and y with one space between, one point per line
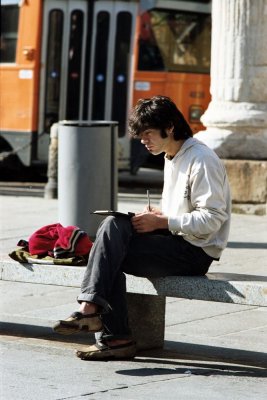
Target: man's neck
174 148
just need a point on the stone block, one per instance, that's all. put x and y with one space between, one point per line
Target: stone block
248 180
147 320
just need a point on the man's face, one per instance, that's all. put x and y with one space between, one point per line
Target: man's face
153 141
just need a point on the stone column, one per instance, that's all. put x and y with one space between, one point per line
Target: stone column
236 118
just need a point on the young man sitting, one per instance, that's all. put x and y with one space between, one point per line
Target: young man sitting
183 238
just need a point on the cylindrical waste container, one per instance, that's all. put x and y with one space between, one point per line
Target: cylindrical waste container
87 172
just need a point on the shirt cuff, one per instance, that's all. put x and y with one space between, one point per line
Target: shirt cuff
174 224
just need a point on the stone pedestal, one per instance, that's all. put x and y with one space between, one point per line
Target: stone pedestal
147 320
236 118
248 182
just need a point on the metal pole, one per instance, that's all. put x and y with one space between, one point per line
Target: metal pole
50 191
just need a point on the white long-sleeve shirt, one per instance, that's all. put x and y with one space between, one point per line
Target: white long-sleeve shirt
196 197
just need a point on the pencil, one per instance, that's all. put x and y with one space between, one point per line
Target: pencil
148 199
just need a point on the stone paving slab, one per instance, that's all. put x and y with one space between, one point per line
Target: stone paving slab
55 374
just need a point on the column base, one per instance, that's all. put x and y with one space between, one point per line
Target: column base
236 130
238 143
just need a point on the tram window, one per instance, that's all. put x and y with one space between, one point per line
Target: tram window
74 64
100 66
53 68
174 41
121 69
9 33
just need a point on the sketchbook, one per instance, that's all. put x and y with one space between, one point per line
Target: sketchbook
113 213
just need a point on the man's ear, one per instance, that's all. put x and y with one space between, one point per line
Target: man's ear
169 131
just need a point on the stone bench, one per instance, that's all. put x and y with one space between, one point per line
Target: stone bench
147 297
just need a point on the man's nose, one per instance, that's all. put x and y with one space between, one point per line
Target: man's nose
144 140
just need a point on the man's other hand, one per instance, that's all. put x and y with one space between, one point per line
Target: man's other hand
149 222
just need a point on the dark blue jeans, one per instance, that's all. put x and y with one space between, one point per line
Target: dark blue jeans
118 249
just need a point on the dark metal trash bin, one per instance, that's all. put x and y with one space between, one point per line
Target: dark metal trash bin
87 171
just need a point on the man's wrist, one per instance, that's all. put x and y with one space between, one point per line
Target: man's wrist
163 222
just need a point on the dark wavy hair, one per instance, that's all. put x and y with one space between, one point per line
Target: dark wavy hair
158 112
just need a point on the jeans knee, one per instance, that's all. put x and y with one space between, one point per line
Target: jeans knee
116 225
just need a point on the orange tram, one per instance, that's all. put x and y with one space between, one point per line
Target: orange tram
92 60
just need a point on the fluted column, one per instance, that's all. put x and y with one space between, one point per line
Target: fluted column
236 118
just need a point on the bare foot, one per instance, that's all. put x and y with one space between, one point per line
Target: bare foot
88 308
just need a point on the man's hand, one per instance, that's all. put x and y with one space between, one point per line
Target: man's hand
149 222
154 210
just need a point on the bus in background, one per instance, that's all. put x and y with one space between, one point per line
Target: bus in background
92 60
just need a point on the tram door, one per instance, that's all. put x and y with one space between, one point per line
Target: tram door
111 54
62 63
69 89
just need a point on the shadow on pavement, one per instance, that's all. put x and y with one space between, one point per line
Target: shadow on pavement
246 245
43 332
188 368
172 350
192 351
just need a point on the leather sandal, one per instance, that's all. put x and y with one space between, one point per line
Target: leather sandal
101 351
79 322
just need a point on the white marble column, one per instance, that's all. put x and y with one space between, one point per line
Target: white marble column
236 118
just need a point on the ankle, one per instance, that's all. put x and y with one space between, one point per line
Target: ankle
88 308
